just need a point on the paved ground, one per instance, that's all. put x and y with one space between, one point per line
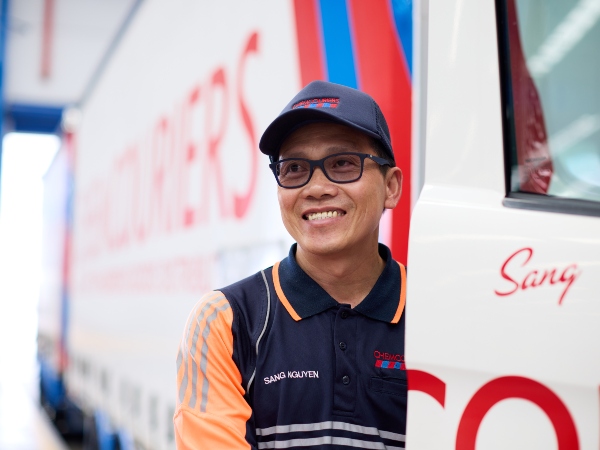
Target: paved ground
23 424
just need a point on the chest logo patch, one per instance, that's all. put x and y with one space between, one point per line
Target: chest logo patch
387 360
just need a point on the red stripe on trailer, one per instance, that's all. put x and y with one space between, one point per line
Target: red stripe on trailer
69 140
382 73
310 42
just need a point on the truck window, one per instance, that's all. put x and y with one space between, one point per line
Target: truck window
550 72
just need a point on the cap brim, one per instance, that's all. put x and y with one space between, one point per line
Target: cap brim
288 122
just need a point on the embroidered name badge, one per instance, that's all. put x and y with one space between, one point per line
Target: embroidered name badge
386 360
291 374
328 102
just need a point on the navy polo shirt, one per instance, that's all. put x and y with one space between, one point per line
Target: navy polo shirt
316 373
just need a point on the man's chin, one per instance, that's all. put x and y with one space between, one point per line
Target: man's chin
322 249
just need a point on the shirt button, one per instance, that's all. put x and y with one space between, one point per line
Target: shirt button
344 314
343 345
346 379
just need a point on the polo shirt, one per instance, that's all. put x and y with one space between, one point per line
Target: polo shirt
273 361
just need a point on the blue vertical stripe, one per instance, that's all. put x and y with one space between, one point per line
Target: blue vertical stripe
338 43
403 10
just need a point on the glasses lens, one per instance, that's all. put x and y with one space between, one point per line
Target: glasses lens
343 167
292 172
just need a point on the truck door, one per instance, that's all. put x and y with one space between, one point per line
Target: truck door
504 249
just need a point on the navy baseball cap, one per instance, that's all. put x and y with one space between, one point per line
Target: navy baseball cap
322 101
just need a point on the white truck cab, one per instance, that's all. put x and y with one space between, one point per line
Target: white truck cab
504 251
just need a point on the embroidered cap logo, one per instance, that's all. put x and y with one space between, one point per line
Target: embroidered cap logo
328 102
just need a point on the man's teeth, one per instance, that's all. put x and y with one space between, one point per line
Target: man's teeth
323 215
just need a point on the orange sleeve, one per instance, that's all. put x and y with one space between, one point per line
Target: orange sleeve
211 410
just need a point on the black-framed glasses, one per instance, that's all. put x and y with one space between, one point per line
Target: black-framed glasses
344 167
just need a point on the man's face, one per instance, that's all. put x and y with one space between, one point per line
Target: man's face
356 207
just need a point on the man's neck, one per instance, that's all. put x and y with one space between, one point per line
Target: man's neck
347 278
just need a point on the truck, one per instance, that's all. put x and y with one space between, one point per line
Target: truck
494 113
503 251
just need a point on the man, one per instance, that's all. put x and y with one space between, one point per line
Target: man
310 352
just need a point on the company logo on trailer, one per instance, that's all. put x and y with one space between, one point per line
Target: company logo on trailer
330 102
386 360
167 180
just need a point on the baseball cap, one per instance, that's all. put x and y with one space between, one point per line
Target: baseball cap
322 101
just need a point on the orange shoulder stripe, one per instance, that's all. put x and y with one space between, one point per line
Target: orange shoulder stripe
400 309
186 342
213 412
282 298
187 384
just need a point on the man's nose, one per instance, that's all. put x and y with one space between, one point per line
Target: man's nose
319 184
318 175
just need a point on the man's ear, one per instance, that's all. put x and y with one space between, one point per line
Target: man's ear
393 187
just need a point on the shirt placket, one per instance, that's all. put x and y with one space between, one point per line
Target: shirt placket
346 377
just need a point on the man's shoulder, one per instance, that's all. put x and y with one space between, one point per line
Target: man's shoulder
249 298
247 287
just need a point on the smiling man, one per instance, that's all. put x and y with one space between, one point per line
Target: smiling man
308 353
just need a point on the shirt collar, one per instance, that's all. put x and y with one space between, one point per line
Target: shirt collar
302 297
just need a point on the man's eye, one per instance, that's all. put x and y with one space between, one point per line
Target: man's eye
345 162
292 168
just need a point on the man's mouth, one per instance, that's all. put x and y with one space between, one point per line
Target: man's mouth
323 215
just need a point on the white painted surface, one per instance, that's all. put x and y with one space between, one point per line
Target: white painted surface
23 424
82 33
130 299
459 329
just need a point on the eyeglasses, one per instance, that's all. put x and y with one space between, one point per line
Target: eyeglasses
344 167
